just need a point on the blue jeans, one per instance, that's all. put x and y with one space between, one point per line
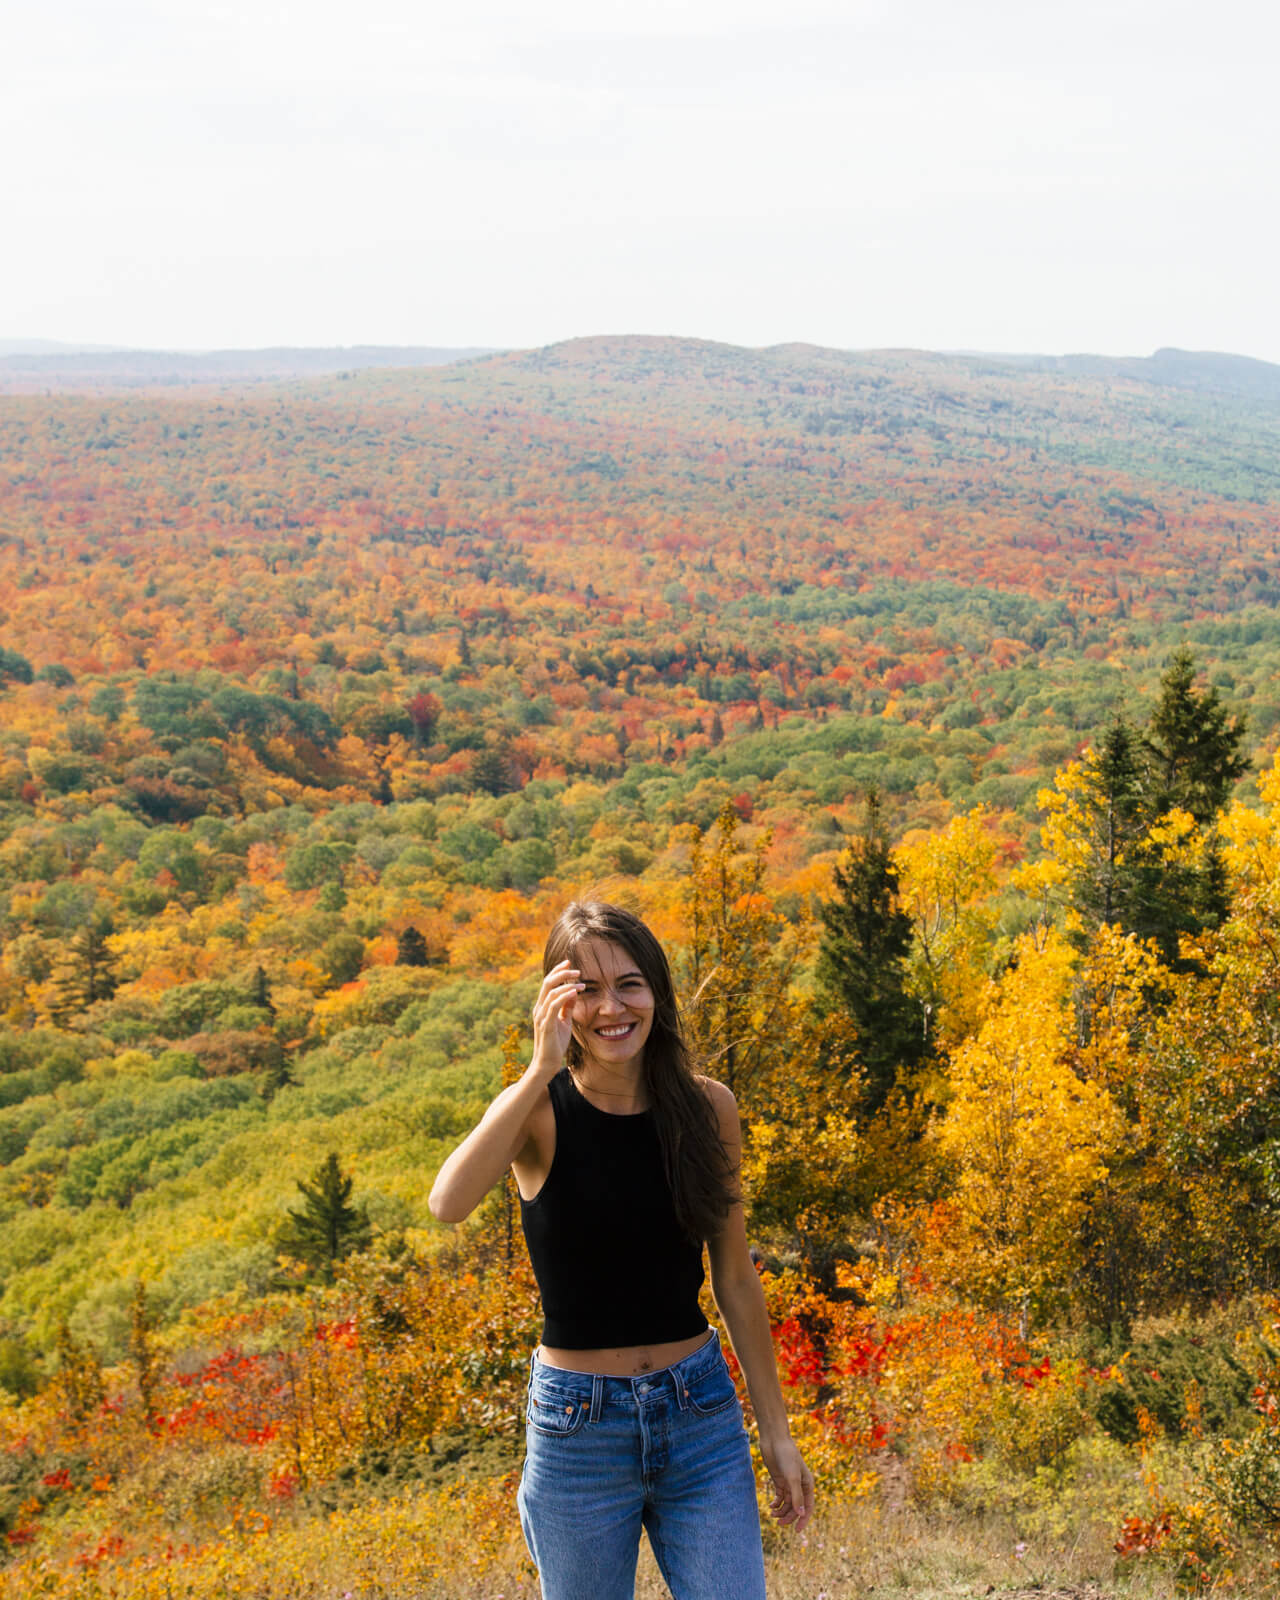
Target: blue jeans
666 1452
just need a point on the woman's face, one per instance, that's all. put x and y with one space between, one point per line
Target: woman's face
613 1015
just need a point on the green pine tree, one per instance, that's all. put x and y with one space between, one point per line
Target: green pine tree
1196 757
1194 753
262 991
1115 888
411 949
862 960
87 970
1188 758
279 1075
492 771
327 1227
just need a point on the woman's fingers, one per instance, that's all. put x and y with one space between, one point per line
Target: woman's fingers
792 1484
555 1000
805 1510
792 1507
560 977
559 989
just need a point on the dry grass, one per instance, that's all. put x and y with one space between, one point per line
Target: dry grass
987 1531
872 1554
852 1552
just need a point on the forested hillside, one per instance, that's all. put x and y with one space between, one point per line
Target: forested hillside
927 706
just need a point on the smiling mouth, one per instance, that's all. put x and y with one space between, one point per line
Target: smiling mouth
619 1032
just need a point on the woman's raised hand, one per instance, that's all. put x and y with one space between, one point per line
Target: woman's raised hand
552 1029
504 1130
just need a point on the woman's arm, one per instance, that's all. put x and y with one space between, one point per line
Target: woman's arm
504 1130
736 1286
487 1151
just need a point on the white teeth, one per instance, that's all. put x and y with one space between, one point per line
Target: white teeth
614 1033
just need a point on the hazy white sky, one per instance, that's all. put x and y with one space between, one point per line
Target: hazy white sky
991 174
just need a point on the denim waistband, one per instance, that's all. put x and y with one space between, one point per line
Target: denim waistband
593 1389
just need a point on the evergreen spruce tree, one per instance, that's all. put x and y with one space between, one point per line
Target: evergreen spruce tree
1119 815
1195 755
262 991
862 961
1196 758
411 949
279 1075
87 970
1129 882
1187 758
492 771
327 1227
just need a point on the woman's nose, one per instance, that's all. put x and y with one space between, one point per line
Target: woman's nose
609 1001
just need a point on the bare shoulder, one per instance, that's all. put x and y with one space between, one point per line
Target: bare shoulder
719 1094
722 1103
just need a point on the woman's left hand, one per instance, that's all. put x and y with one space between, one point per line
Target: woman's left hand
792 1483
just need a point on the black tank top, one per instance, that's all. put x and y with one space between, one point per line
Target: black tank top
612 1263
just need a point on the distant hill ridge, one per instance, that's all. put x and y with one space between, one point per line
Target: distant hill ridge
1204 372
33 363
1207 371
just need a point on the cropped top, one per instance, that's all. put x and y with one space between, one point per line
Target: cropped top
612 1262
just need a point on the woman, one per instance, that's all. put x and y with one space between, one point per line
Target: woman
626 1161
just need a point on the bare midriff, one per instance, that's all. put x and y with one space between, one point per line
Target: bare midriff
629 1362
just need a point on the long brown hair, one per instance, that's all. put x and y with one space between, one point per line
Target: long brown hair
693 1155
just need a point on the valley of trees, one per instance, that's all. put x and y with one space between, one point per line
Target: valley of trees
926 706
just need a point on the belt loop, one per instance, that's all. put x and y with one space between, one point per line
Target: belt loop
597 1397
678 1385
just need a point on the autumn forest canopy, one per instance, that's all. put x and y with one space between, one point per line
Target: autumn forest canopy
926 705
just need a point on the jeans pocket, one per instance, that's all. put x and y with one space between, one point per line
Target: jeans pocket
711 1391
555 1412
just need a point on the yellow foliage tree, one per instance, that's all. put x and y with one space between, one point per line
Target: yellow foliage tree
1027 1135
945 881
740 955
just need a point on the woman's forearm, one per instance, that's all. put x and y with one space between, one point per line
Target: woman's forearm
741 1304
